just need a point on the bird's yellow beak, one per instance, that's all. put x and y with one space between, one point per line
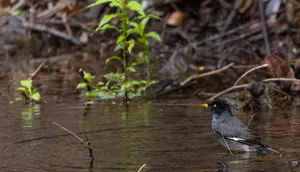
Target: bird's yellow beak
205 105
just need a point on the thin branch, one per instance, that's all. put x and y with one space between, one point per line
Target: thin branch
280 79
140 169
228 90
193 77
226 144
264 26
249 71
86 144
245 85
53 31
34 74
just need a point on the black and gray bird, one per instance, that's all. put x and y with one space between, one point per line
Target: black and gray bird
231 132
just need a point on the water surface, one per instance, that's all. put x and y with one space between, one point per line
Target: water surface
167 135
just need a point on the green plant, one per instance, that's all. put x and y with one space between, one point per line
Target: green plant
29 92
115 90
132 33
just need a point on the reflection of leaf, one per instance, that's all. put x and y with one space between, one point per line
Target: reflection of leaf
29 113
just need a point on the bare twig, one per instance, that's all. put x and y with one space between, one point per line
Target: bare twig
226 144
249 71
280 79
87 144
193 77
245 85
228 90
18 5
53 31
234 30
34 74
140 169
249 122
264 26
231 16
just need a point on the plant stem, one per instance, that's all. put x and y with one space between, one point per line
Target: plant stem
124 19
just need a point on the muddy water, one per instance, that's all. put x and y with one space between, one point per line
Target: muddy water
169 135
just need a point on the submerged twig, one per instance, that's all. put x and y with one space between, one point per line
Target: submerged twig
87 144
140 169
249 71
226 144
193 77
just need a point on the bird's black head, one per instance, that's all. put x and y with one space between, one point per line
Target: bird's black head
218 106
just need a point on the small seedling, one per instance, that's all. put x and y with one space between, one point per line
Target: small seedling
29 92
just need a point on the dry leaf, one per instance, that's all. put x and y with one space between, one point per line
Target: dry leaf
176 18
279 67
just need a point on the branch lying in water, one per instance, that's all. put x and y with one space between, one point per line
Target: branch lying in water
87 143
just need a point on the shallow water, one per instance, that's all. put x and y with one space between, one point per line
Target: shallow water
166 135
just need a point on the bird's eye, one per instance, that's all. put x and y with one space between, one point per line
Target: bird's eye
214 105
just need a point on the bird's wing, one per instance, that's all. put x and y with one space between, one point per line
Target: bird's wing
235 130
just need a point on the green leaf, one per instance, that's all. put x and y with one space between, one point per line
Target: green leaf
153 16
135 6
113 58
142 25
26 83
116 4
153 35
106 19
131 69
119 46
100 83
98 2
133 24
36 96
82 85
107 26
87 76
18 13
134 82
21 89
121 38
18 99
130 45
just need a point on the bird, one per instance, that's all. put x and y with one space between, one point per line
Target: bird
231 132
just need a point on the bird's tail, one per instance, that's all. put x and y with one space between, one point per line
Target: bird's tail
265 150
